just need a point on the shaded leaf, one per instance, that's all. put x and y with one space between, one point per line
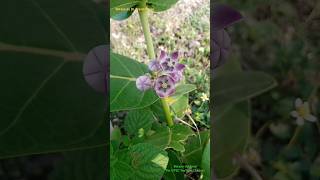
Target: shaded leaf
205 162
236 87
43 93
224 16
174 160
221 48
82 165
230 136
95 68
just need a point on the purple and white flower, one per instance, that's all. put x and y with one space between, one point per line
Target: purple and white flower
154 65
143 83
168 74
176 76
164 86
170 63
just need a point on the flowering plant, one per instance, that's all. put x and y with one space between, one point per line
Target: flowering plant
156 136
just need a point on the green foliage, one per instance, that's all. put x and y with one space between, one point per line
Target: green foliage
174 137
122 9
82 165
148 161
194 148
174 160
137 120
239 86
43 93
124 95
205 163
230 134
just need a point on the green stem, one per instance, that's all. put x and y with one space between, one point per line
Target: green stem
295 136
166 110
143 14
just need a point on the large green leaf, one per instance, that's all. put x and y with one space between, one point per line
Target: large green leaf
119 169
194 148
161 5
122 9
46 106
82 165
235 87
138 119
171 173
205 162
124 95
230 136
173 137
148 161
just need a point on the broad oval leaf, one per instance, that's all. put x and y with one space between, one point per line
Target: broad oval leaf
124 95
230 136
235 87
43 93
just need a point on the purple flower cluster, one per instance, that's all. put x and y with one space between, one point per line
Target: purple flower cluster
166 73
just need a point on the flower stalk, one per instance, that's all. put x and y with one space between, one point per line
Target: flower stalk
143 15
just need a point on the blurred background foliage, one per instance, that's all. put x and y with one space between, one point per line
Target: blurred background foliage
282 39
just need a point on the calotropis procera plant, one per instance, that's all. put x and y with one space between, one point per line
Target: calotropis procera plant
151 144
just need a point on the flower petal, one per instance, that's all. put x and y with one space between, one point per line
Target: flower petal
311 118
143 83
154 65
298 103
162 54
294 114
180 67
175 55
300 121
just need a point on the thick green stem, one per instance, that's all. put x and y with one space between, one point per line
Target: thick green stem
166 110
143 14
